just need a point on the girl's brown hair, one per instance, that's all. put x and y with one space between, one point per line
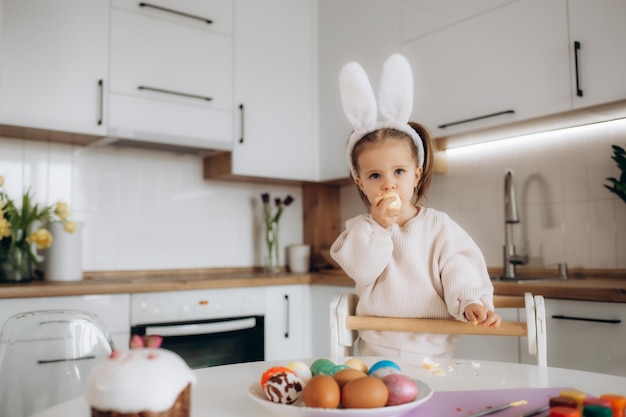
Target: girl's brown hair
381 135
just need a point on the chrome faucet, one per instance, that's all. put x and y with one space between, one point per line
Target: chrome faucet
511 217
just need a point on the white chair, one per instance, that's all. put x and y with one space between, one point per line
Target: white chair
344 325
46 357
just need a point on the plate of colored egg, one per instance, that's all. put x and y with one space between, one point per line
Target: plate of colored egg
337 390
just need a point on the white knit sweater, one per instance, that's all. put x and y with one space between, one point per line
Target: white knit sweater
429 268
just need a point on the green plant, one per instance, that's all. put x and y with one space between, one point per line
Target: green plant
619 185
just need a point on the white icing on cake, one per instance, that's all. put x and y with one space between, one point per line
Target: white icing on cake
137 380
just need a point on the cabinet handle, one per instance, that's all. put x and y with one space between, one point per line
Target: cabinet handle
287 316
176 93
242 119
579 91
164 9
610 321
82 358
101 110
473 119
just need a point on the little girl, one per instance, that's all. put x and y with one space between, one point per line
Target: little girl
407 260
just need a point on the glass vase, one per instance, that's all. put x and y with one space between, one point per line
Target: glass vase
272 259
16 263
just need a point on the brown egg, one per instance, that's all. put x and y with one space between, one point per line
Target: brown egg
368 392
322 391
346 375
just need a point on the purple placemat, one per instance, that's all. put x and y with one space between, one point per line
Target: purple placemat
464 403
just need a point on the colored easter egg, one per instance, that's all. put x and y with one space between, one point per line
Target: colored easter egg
322 367
383 364
358 364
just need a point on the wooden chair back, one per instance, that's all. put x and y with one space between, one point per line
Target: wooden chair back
345 324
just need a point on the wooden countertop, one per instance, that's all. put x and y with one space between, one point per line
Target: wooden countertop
593 288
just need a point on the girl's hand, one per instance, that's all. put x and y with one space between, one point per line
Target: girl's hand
382 213
479 315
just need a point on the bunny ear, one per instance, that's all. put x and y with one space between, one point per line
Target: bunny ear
395 94
395 102
357 96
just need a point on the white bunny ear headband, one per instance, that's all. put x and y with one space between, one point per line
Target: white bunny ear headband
395 102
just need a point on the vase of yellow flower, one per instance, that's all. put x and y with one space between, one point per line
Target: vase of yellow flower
272 256
21 231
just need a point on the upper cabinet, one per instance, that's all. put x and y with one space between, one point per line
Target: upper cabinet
54 65
259 79
504 65
275 89
420 17
171 72
598 55
515 62
365 31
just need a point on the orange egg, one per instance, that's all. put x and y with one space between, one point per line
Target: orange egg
368 392
272 371
346 375
321 391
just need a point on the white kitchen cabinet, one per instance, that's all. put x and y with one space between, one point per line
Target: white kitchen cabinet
171 73
600 32
185 12
365 31
54 65
112 309
492 69
287 321
420 17
587 335
497 348
275 89
321 296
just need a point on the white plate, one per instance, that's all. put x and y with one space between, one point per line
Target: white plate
256 393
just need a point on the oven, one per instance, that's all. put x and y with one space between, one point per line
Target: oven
206 327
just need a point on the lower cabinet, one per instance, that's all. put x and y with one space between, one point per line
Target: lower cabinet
287 319
321 296
587 335
112 309
497 348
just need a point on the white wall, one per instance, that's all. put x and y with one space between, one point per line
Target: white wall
148 209
566 213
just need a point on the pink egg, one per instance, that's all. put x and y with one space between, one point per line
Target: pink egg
402 389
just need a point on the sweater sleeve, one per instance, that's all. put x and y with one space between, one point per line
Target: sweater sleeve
464 274
363 250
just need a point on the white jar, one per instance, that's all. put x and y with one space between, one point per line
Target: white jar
63 260
298 258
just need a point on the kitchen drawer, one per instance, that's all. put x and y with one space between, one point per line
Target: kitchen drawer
219 12
169 123
170 83
153 53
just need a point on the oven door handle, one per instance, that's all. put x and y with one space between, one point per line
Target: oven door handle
202 328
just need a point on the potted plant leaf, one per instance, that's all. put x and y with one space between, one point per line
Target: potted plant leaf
618 185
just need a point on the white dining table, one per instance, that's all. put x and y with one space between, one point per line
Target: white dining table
223 390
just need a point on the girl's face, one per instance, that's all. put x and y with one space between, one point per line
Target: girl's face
385 166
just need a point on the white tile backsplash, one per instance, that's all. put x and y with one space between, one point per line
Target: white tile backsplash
147 209
566 213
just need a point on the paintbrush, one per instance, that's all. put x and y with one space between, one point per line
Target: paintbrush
491 410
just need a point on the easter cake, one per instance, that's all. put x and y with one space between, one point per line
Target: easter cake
148 382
